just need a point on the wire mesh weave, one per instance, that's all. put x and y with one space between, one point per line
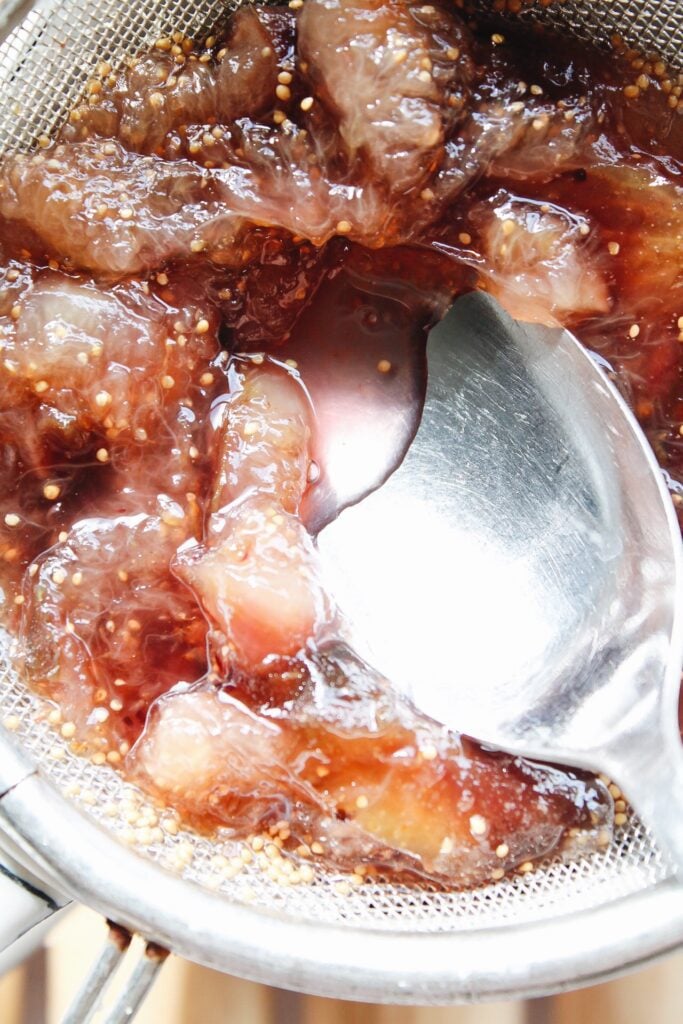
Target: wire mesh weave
646 25
43 67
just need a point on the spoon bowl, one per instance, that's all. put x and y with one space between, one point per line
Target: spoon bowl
519 575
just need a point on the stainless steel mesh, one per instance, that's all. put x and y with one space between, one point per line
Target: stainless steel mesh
646 25
43 67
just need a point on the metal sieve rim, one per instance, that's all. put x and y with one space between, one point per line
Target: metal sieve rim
506 961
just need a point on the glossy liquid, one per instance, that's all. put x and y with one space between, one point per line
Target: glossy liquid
360 350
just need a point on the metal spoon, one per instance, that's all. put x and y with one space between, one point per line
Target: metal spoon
519 576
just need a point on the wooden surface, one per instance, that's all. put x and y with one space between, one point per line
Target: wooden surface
39 991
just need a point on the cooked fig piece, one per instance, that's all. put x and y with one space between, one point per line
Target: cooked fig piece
105 627
396 74
375 782
257 579
97 364
256 573
113 212
540 263
265 439
155 95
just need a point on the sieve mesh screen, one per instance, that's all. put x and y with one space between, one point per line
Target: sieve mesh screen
43 67
646 25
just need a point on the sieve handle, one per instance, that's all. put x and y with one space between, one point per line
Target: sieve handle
24 901
25 898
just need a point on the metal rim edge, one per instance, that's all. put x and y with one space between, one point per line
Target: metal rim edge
363 964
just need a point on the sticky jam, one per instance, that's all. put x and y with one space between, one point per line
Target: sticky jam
216 288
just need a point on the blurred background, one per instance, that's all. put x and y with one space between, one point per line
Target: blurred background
39 990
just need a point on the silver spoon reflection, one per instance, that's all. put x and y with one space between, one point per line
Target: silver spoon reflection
519 575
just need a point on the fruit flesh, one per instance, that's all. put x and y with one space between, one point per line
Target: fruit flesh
396 76
374 782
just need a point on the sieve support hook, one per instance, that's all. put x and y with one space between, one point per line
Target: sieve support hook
104 972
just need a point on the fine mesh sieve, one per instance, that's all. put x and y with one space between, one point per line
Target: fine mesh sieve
565 922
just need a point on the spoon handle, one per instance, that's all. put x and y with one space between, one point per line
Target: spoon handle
654 787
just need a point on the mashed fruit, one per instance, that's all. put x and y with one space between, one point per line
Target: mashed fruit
216 284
